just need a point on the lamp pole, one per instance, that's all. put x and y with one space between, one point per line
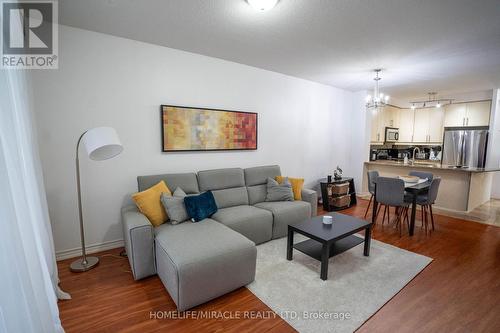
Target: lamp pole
83 264
101 143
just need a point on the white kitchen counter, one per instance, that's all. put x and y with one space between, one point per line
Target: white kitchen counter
431 165
461 190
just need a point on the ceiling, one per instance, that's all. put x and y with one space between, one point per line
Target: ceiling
448 46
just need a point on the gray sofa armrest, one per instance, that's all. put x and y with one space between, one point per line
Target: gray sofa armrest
139 242
312 197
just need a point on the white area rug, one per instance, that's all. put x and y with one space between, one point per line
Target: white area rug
356 288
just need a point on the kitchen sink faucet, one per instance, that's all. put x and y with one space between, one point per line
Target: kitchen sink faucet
413 158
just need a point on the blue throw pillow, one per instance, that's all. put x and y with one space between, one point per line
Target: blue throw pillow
201 206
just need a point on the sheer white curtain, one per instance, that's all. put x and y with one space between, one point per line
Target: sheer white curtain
28 272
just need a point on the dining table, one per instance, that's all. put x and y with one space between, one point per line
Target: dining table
413 189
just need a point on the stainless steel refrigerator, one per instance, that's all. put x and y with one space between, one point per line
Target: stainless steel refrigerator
465 147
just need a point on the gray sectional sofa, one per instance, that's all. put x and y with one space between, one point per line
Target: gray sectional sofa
201 261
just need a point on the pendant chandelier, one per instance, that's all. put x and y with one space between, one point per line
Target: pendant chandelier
378 99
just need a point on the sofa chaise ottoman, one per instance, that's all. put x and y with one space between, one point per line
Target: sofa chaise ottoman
200 261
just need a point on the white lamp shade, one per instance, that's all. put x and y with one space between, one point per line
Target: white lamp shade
102 143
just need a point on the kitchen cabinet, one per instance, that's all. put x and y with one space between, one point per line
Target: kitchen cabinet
421 125
377 122
373 123
390 115
380 119
405 119
478 114
454 115
428 125
467 114
436 119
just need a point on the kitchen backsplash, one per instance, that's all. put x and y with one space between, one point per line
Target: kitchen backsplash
393 152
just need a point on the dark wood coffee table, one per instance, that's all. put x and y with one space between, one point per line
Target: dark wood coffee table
327 241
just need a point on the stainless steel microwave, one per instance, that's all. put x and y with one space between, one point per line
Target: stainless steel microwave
391 134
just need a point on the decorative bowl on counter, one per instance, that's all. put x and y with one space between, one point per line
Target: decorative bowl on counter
409 179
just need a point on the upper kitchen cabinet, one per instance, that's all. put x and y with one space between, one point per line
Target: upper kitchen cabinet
391 117
467 114
373 123
377 121
436 119
428 126
454 115
478 114
405 120
381 118
421 125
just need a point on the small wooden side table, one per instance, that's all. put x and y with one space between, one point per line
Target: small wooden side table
324 193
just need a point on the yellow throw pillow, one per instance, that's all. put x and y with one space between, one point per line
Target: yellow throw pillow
297 184
149 203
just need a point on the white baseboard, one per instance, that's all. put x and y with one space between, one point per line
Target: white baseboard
76 252
363 195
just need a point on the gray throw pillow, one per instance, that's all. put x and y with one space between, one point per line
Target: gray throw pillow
174 205
279 192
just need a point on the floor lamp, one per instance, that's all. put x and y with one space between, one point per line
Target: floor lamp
101 143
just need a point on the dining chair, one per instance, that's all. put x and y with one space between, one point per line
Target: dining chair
422 175
390 192
372 177
427 200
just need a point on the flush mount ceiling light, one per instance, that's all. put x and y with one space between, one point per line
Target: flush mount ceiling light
262 5
378 99
432 101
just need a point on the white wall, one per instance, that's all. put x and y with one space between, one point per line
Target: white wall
493 155
108 81
360 138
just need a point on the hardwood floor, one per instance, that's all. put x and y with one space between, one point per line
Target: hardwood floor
458 292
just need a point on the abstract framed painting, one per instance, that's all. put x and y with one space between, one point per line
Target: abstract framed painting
199 129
